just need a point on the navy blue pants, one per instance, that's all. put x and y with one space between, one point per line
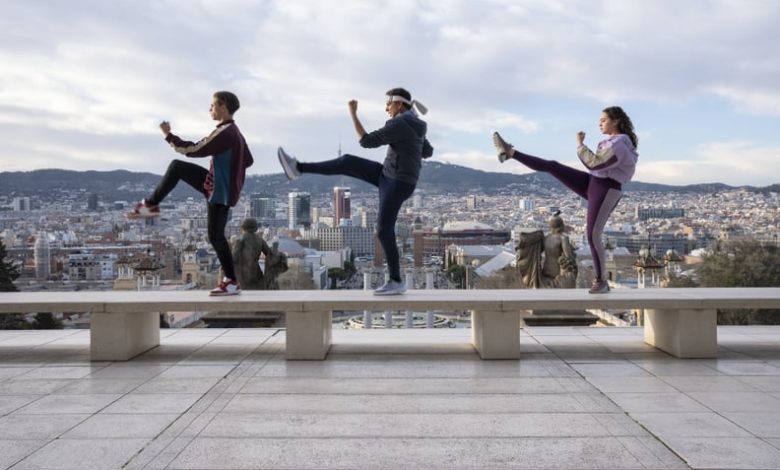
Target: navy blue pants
392 194
195 175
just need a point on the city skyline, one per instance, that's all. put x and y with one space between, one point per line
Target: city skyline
702 90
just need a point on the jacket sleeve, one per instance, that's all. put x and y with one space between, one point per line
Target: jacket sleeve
390 133
607 155
213 144
427 150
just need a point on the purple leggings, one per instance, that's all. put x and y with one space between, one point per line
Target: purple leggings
602 195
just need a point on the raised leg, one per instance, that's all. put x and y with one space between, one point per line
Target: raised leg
683 333
122 336
308 335
496 335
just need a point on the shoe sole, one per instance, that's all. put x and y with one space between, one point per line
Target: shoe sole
500 145
390 293
287 170
223 294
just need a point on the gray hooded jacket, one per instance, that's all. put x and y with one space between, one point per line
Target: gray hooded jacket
407 146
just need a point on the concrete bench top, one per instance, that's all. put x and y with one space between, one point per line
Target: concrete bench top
435 299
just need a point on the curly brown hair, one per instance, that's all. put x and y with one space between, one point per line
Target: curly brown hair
625 126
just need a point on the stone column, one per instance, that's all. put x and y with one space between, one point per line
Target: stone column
368 317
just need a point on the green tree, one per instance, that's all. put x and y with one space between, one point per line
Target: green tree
743 264
8 274
46 321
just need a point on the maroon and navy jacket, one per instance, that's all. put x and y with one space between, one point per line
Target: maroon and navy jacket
230 159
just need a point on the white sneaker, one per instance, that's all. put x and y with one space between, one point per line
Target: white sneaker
144 210
289 164
503 148
391 287
226 287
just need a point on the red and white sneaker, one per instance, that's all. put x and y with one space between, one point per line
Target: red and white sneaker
144 210
226 287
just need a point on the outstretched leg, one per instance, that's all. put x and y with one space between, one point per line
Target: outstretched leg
575 180
348 165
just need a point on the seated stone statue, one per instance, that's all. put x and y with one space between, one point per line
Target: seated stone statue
247 250
547 261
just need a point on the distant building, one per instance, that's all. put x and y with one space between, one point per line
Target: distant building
341 204
646 213
21 204
471 201
42 255
359 239
299 210
526 204
262 207
367 218
434 242
92 202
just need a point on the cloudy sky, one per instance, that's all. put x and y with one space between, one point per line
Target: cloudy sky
83 84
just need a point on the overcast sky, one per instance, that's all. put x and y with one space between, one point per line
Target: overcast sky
83 84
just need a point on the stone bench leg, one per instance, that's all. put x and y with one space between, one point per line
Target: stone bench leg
308 335
122 336
496 335
683 333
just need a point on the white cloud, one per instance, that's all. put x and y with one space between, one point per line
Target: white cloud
102 70
734 163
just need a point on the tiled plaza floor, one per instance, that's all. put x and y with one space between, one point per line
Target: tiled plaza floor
387 399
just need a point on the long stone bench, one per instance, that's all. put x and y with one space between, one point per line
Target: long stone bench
681 322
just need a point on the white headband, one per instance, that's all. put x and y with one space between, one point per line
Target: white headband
420 107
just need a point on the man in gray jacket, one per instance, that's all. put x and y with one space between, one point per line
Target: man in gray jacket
404 134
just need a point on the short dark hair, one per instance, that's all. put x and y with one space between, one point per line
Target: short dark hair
229 99
401 92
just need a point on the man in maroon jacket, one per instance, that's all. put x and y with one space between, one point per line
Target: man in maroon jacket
221 184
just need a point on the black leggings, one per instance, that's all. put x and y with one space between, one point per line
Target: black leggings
218 214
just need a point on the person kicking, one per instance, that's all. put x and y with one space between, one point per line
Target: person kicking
221 184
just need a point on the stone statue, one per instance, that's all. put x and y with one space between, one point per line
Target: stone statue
547 261
246 252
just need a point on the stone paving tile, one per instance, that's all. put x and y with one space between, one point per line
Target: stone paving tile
113 426
60 372
765 424
747 368
708 383
153 403
78 404
614 369
19 386
689 425
388 425
737 401
630 384
764 383
656 402
98 454
725 452
10 372
581 453
405 386
10 403
98 386
177 385
11 451
18 426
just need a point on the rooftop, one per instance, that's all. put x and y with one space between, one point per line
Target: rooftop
411 399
